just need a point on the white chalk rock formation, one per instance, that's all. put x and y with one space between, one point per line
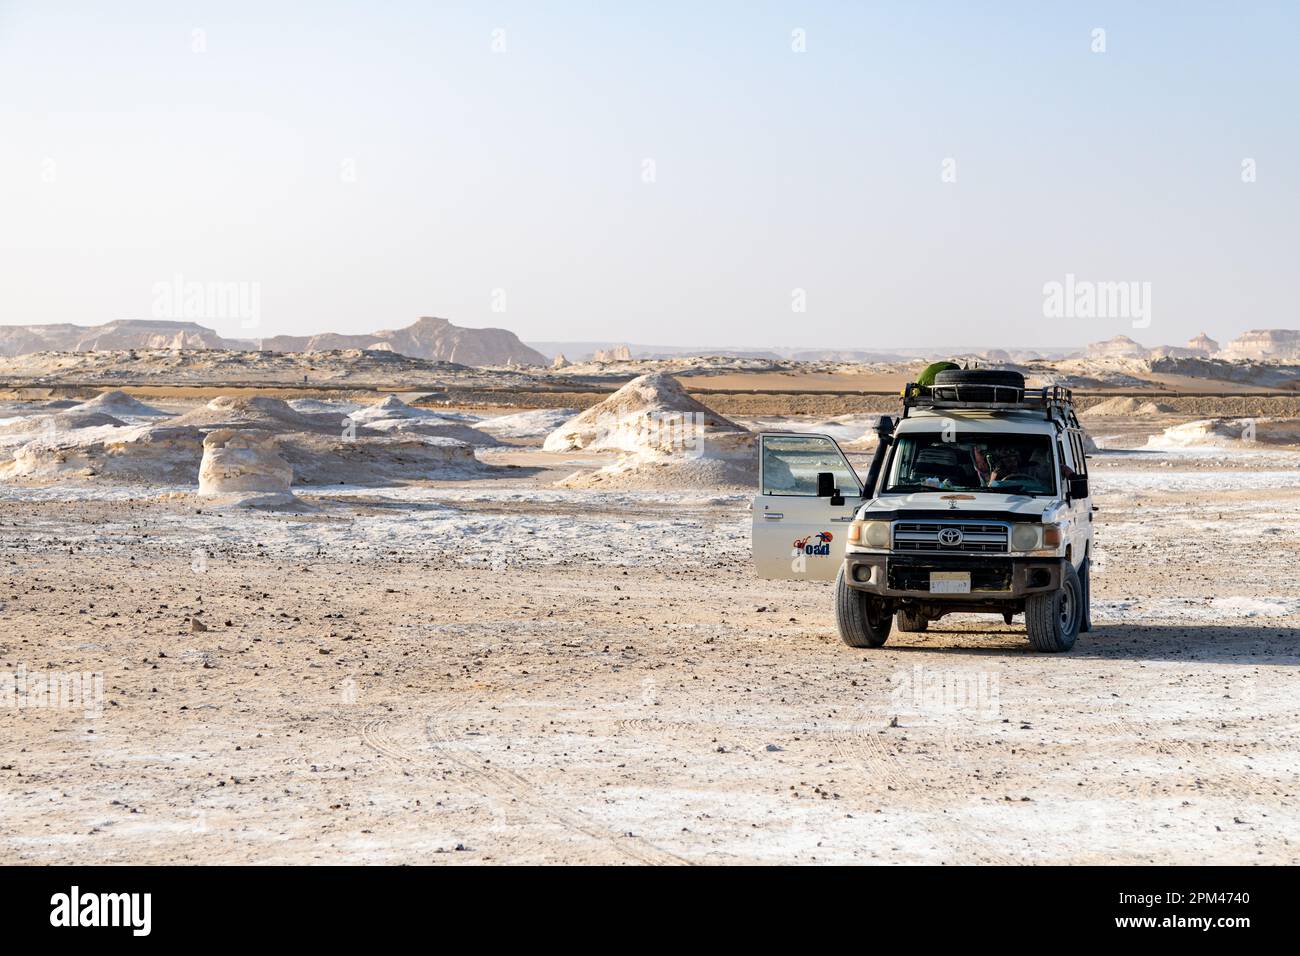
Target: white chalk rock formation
120 405
651 413
243 460
1240 433
392 416
1123 406
670 440
619 353
537 423
1264 345
1121 346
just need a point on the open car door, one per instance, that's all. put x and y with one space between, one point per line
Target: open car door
808 493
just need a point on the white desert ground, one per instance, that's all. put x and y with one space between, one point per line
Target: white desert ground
420 636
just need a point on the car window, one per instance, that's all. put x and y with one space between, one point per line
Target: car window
1080 455
941 461
790 464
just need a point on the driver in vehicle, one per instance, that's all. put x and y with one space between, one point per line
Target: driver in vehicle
1008 466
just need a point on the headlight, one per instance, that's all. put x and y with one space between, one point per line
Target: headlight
870 534
1025 537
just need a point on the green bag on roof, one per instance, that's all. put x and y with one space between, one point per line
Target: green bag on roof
927 377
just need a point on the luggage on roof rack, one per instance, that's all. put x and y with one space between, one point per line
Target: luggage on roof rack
992 396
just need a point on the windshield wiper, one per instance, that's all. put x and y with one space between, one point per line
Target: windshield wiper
916 487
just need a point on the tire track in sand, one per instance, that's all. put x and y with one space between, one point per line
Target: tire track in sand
862 745
497 783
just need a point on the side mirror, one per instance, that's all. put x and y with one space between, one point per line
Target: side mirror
826 487
1078 488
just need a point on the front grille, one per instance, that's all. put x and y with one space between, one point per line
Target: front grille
914 575
926 537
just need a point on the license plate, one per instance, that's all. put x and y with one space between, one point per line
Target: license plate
950 582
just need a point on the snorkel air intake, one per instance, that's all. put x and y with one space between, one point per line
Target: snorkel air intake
885 436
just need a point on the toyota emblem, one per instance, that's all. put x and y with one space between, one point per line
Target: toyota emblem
950 537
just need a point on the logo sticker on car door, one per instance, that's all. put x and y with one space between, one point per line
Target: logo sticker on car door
815 545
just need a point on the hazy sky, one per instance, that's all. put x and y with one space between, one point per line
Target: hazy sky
361 164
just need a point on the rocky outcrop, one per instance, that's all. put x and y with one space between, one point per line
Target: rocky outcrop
1174 351
88 445
243 461
393 416
559 361
1264 344
1121 346
619 353
124 334
652 413
121 405
259 412
1203 344
427 338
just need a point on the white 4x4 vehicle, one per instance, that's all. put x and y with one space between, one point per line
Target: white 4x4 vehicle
976 500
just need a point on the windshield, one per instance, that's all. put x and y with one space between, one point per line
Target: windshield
1014 464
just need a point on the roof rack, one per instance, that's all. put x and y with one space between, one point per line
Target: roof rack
1050 399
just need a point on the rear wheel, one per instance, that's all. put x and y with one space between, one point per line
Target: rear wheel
1052 619
863 619
912 620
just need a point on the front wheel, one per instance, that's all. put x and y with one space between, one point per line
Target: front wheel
1085 577
1053 619
863 620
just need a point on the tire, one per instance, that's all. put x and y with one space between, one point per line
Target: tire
912 621
1052 619
980 376
979 385
863 620
1085 576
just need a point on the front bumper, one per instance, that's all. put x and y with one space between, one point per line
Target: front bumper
908 576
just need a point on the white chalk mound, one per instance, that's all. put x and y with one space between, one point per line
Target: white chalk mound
258 411
18 430
394 416
120 405
225 443
390 408
1122 406
156 454
1229 433
727 461
652 413
531 424
670 440
244 461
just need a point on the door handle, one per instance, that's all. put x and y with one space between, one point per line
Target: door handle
772 516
